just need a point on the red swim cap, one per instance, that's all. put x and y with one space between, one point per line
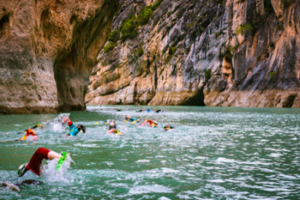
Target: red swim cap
70 123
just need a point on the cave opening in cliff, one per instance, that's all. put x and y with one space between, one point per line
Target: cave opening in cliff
196 100
4 26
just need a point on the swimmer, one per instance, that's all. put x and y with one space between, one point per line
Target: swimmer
73 130
16 187
133 120
113 128
112 125
32 128
117 109
116 131
168 127
107 121
29 132
141 110
158 111
151 123
36 161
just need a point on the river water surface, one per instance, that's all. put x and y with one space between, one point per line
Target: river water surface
214 153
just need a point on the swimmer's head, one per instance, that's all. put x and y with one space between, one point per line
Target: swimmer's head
21 169
40 125
80 127
154 123
127 117
30 132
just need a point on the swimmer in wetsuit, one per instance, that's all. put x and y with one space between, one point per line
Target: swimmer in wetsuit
36 161
29 132
158 111
151 123
73 130
32 128
117 109
113 128
131 119
141 110
168 127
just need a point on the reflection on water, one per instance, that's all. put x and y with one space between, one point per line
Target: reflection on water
214 153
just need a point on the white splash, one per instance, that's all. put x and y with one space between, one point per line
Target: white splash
55 124
51 174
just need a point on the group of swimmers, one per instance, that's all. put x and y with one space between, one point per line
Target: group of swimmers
141 110
43 153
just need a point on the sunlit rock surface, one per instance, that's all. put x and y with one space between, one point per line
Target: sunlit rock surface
217 53
47 51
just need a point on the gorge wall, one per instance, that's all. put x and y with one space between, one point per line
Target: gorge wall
47 51
163 52
200 52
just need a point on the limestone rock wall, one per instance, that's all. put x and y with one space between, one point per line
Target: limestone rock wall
217 53
47 51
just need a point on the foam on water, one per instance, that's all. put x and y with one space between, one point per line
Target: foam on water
51 174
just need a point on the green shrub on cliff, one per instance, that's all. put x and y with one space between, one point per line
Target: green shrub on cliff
144 16
207 74
173 50
272 73
155 5
191 24
140 51
243 27
129 27
110 46
114 36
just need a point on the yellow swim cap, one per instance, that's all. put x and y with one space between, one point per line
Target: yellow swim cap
126 121
96 122
38 125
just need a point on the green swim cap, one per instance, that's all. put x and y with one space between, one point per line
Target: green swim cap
21 168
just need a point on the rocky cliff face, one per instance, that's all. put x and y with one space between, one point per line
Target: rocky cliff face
216 52
47 51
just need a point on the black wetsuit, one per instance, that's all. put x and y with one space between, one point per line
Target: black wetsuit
113 126
158 111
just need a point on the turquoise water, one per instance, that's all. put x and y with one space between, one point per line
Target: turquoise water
214 153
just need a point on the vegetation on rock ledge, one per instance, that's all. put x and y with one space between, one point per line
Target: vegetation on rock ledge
130 26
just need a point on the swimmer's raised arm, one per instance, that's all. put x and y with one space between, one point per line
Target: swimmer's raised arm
36 160
65 120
